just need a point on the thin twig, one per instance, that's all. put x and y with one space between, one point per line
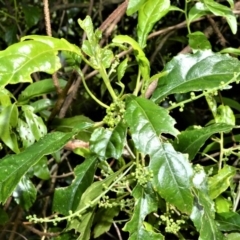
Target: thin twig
39 233
118 231
15 233
217 31
119 11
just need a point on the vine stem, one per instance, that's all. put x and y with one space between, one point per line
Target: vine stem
89 91
237 198
78 213
138 84
105 78
185 11
221 151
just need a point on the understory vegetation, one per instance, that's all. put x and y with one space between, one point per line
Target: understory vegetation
119 120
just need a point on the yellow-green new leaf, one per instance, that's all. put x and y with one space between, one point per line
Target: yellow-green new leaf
150 12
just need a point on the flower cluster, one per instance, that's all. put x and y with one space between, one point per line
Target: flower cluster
114 113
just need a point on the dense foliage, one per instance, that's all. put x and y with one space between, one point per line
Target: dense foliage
124 128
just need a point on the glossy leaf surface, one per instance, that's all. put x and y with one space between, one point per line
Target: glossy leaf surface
190 141
197 11
145 117
172 176
222 10
40 169
13 167
150 12
221 181
25 193
34 122
108 143
203 212
67 124
25 134
39 88
55 43
203 70
172 171
36 55
134 6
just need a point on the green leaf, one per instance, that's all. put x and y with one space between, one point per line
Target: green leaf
5 97
172 171
122 69
42 104
25 193
10 35
172 175
31 14
68 198
67 124
150 13
212 103
90 195
98 56
233 236
108 143
174 8
8 119
203 212
222 204
203 70
106 57
35 123
13 167
86 224
197 11
40 169
143 62
146 120
203 218
198 41
25 134
146 202
221 181
231 50
134 6
228 221
56 44
103 220
22 59
190 141
88 28
39 88
224 11
225 115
